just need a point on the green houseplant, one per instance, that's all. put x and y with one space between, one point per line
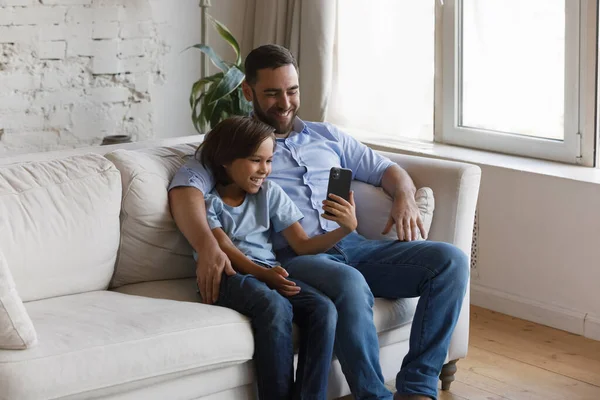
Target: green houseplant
218 96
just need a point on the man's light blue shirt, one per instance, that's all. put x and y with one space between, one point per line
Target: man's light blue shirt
301 167
251 224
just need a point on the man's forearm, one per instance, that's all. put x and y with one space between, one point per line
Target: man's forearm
396 182
188 210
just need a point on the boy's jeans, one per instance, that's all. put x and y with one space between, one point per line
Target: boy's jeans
271 317
355 270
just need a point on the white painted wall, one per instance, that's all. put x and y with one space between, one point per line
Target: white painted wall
179 26
539 249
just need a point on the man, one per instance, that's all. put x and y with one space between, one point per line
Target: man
356 269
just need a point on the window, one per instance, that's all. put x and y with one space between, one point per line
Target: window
511 76
518 77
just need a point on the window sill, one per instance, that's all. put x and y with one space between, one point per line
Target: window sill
480 157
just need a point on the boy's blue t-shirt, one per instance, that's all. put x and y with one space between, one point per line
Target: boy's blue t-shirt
249 225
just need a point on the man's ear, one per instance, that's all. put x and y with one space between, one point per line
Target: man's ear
247 91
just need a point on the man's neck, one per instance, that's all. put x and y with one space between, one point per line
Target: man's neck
282 135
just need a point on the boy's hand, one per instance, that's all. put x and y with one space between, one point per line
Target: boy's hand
275 278
343 211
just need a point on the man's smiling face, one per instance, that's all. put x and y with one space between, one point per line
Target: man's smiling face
275 97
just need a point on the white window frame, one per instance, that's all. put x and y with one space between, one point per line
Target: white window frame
580 90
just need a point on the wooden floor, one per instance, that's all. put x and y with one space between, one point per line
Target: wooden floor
510 358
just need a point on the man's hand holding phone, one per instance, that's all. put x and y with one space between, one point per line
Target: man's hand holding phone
341 211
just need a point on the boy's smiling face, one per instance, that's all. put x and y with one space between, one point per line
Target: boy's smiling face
249 173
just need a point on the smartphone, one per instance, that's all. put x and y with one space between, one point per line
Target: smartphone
340 180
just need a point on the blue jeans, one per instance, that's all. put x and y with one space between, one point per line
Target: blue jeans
271 317
357 269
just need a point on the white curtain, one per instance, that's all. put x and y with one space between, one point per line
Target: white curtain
307 28
383 79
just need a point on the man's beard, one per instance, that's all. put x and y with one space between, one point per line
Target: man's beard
264 117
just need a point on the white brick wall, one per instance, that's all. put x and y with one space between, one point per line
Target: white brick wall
38 15
74 71
17 34
7 16
18 82
66 2
17 2
105 30
51 50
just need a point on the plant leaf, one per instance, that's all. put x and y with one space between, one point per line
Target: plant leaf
197 94
228 36
231 80
216 60
206 107
196 116
219 112
199 85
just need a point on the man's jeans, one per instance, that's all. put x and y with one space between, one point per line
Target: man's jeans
355 270
271 317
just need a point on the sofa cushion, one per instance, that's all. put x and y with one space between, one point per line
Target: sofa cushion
152 248
16 328
61 224
100 339
387 314
373 209
173 289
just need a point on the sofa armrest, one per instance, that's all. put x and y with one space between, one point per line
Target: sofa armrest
455 188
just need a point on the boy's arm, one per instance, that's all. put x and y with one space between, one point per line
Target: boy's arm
302 244
342 211
273 277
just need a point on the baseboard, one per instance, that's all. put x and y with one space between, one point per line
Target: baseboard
531 310
592 327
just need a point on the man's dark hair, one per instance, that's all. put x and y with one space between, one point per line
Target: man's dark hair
267 56
233 138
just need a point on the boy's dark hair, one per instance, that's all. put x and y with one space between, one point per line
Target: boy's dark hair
233 138
267 56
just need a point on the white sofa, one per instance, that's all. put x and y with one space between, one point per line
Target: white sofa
108 280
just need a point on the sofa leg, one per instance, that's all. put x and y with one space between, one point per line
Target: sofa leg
447 374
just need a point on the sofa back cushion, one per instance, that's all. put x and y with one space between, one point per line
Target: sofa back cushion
373 207
61 224
152 248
